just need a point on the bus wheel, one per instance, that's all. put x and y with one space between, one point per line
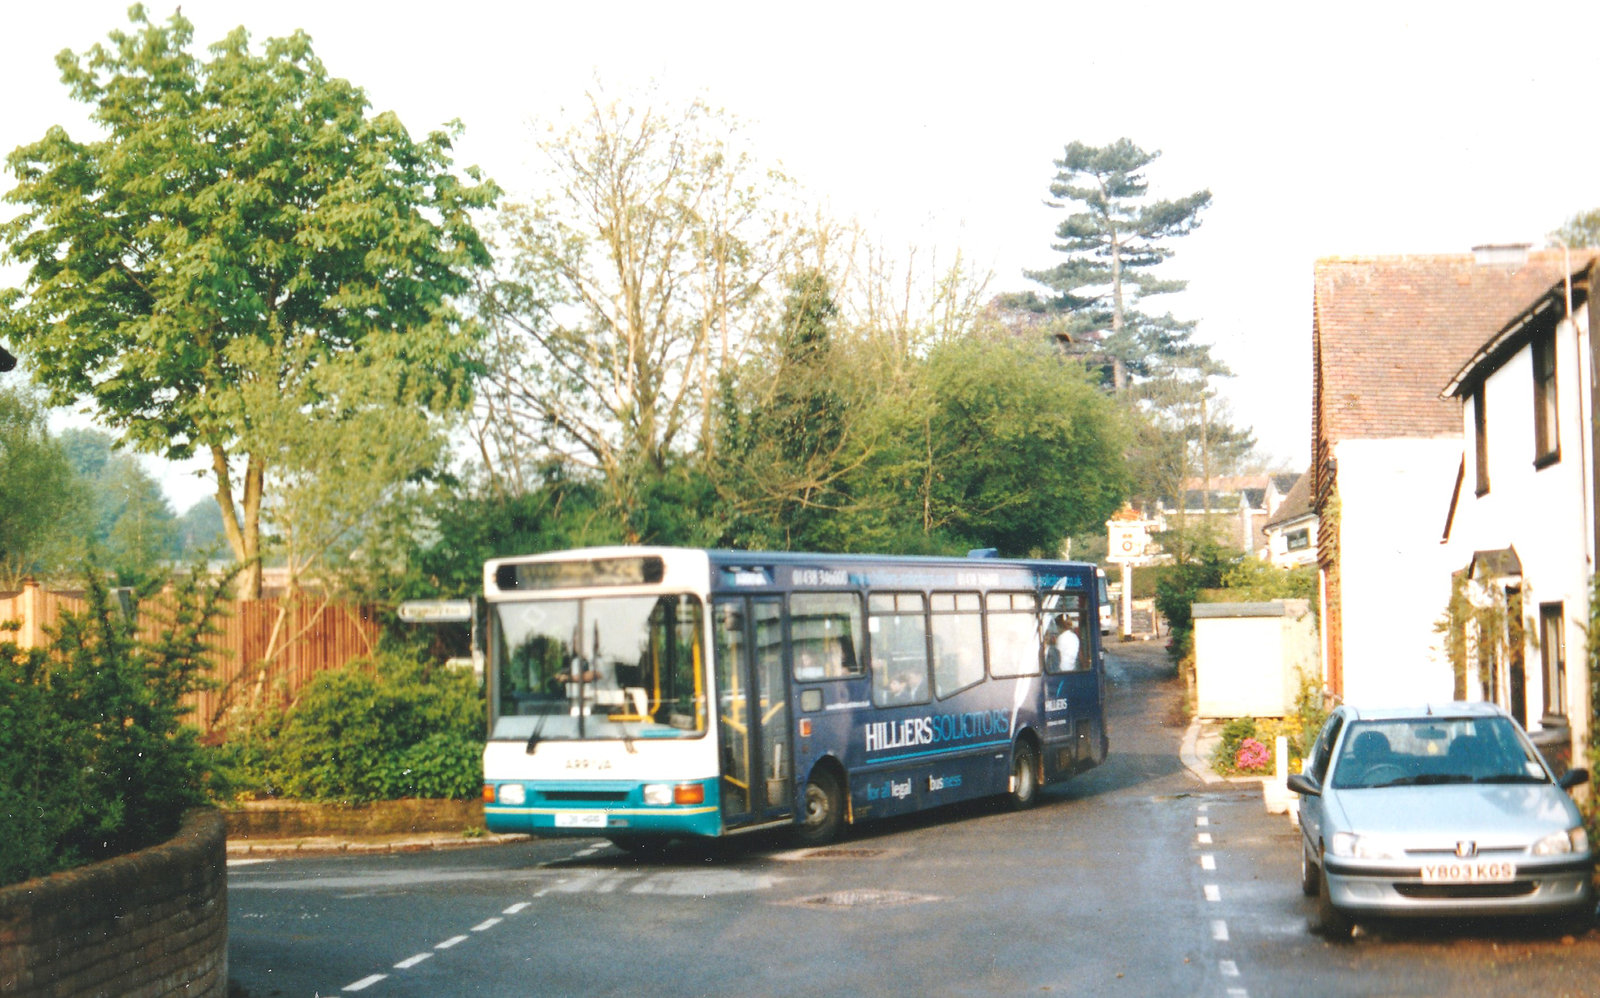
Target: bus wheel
824 810
1024 776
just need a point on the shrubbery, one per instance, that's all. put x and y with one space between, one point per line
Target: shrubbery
376 729
94 758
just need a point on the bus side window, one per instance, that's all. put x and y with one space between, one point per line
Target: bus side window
824 631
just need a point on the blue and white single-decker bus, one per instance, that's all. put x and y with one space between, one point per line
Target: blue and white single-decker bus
649 693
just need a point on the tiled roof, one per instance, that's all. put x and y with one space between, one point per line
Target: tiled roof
1296 504
1391 332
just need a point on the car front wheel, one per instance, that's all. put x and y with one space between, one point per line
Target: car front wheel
1310 881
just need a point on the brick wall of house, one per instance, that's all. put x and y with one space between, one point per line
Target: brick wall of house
148 924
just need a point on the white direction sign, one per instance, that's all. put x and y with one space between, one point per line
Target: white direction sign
436 611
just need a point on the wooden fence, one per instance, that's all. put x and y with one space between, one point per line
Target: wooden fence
265 648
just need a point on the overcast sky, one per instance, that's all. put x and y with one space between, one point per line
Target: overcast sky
1320 130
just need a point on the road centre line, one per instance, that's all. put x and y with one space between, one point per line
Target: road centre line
412 961
364 983
1204 838
1202 821
1208 862
1213 893
1219 930
1228 968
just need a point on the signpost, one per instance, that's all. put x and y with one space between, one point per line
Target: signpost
1127 542
436 611
447 611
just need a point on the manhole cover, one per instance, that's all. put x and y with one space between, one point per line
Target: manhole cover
863 898
837 852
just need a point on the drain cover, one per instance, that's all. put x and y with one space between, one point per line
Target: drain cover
863 898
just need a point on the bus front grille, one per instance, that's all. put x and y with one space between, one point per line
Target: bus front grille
587 796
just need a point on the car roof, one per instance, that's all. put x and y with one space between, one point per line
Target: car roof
1452 708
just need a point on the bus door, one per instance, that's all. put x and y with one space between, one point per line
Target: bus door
1073 678
752 694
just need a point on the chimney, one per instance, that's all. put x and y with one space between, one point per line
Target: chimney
1501 254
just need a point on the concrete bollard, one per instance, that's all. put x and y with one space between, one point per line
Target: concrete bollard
1275 791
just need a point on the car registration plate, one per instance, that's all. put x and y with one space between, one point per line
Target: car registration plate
581 819
1469 872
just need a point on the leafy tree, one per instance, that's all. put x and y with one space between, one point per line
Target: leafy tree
1112 245
621 296
200 532
1018 450
1182 429
781 458
135 531
42 502
242 221
467 528
1582 229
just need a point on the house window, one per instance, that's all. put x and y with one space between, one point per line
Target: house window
1553 649
1480 440
1546 439
1298 540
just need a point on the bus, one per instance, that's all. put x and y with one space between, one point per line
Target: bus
648 693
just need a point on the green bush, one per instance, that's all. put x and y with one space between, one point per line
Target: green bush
95 759
381 729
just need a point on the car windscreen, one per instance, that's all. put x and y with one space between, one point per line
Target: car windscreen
1434 750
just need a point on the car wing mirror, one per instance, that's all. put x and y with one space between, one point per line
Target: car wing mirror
1572 778
1305 785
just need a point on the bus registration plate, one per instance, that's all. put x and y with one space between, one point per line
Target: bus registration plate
581 819
1469 872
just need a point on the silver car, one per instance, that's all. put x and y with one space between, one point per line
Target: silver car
1437 811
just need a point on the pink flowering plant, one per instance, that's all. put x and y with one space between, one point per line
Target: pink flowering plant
1252 757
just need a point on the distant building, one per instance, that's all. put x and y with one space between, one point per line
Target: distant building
1387 332
1239 506
1291 532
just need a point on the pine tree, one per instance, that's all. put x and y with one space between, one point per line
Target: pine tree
1112 245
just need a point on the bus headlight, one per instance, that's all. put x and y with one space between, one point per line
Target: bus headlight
658 793
514 794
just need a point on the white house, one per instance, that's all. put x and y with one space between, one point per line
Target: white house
1524 507
1387 333
1291 533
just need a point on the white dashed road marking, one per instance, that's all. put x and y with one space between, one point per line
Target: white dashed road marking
364 983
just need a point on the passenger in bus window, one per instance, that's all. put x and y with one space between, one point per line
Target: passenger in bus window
808 665
1063 646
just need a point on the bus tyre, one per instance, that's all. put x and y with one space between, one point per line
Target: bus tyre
824 810
1024 776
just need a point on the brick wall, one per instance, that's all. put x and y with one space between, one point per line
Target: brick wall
145 925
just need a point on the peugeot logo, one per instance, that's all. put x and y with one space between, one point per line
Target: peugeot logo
1466 849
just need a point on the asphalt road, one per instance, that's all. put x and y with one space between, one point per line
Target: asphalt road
1135 879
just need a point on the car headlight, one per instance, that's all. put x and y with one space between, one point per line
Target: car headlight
1559 843
1352 846
514 794
658 793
